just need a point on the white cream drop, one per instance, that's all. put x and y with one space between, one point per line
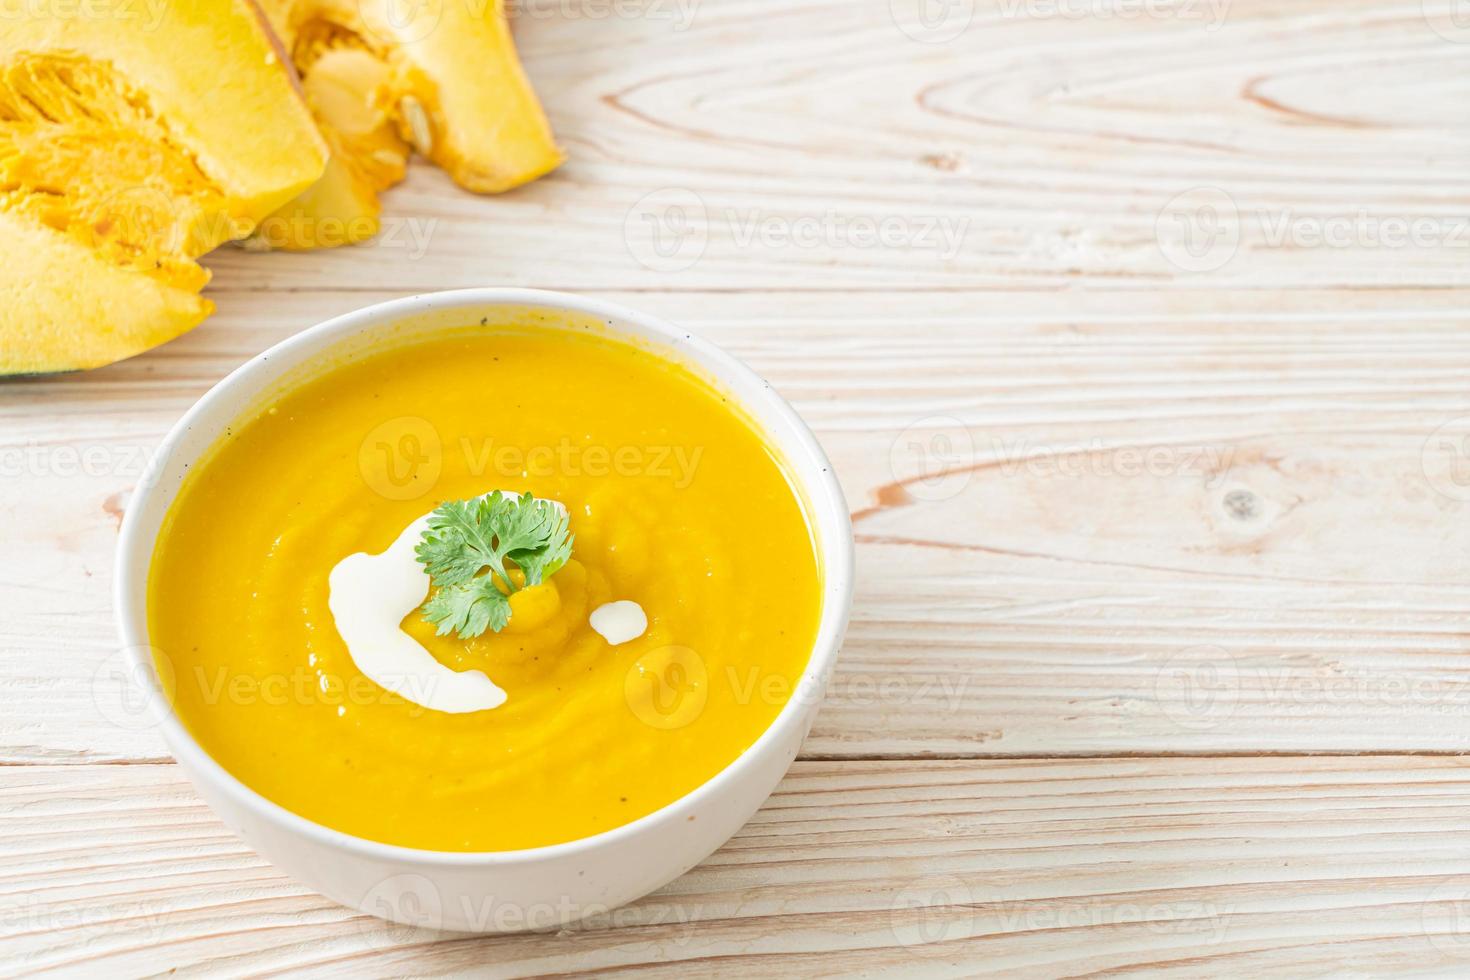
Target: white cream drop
369 595
619 622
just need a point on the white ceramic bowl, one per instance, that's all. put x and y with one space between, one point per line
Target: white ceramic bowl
502 891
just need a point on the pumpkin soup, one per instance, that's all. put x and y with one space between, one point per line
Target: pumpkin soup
610 586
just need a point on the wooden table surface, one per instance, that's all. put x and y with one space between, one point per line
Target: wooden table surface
1138 332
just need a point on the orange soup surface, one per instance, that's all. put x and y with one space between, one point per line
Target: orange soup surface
676 502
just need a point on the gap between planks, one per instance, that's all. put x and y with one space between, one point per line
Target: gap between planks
922 757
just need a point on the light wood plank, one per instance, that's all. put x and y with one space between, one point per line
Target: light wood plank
1050 600
1291 576
1050 147
1213 866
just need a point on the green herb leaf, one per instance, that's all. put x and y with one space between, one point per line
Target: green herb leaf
470 608
468 550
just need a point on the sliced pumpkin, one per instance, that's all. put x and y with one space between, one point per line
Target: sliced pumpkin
384 77
129 147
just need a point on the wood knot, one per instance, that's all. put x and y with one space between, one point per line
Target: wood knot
1243 505
945 162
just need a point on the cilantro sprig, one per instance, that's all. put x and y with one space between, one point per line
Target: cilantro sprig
470 547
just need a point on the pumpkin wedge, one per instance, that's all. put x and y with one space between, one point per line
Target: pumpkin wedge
129 146
385 77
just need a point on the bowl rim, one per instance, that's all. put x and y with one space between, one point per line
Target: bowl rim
135 550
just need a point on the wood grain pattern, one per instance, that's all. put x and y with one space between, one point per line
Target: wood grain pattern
1204 531
1197 867
1054 145
1138 336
